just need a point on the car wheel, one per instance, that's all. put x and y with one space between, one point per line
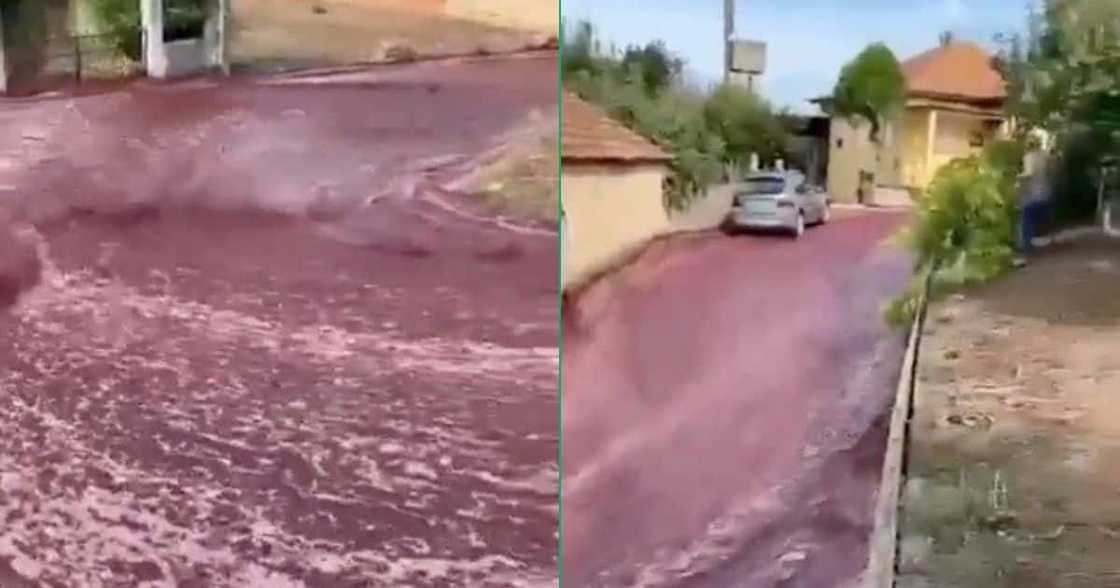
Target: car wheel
799 225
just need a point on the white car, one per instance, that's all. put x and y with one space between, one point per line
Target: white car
781 201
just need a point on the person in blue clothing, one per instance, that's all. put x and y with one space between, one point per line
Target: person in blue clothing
1035 195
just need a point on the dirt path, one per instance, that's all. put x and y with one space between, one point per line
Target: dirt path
293 34
1015 445
722 411
270 347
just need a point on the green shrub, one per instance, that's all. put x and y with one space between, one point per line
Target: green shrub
673 119
643 90
746 122
962 229
121 20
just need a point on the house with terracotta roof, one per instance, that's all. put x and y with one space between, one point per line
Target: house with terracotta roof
613 185
954 108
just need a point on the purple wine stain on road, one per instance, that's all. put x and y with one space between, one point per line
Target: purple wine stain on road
267 345
723 409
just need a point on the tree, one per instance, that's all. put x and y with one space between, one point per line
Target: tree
579 52
871 87
642 90
654 63
746 122
1065 78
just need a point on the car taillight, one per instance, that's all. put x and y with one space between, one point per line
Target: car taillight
785 204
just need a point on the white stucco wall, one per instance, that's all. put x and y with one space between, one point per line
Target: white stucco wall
184 57
850 150
608 211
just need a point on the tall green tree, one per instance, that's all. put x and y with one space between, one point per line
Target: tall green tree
1065 78
746 122
655 65
871 87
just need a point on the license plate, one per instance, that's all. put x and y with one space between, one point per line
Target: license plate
763 208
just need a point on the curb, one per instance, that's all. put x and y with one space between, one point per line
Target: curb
528 52
883 547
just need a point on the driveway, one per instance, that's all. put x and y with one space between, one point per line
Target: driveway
270 344
724 409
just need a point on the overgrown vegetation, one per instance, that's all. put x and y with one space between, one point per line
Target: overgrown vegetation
962 229
643 88
1064 77
120 19
746 123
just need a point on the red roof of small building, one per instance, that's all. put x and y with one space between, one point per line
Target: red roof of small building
590 135
959 71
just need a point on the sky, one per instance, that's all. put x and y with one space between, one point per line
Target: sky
808 40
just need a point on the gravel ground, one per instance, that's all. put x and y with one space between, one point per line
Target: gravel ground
1015 442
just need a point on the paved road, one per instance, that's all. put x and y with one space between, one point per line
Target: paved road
270 345
723 410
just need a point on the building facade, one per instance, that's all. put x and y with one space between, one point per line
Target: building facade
954 108
613 186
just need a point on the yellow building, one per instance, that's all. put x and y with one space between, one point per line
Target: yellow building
954 108
612 200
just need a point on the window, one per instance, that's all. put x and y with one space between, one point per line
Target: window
757 186
183 19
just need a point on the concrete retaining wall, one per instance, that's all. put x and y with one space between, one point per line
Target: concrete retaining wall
883 547
705 212
891 196
183 58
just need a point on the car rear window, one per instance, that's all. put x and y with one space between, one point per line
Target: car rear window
755 186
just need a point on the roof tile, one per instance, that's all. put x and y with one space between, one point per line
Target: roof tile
589 134
959 70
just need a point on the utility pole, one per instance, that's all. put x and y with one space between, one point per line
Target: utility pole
728 35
